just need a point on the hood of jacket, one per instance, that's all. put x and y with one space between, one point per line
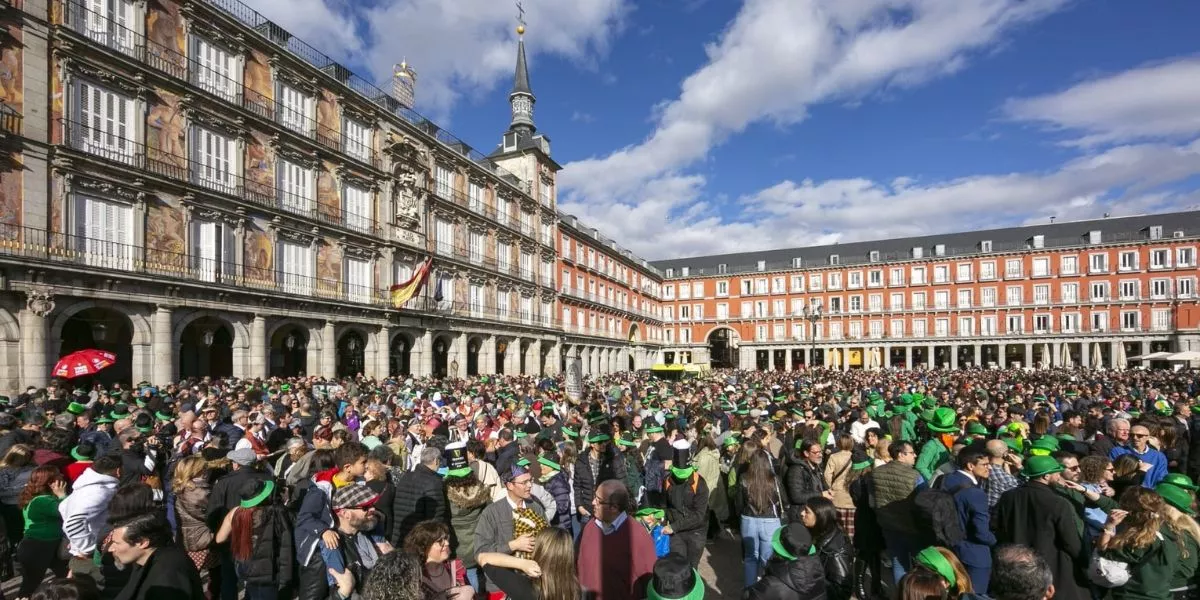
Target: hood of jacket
468 496
91 480
326 476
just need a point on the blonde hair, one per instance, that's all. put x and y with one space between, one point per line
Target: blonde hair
963 580
20 455
554 552
1140 528
1181 525
188 469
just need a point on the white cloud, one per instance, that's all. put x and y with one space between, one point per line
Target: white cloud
458 48
778 57
668 220
1155 101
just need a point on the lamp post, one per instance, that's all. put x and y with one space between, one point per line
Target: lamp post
812 315
209 337
99 332
290 342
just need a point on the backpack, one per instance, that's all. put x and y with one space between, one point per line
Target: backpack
935 512
655 474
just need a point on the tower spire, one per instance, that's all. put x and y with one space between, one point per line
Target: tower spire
521 98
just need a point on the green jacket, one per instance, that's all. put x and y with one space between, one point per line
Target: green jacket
933 455
1187 566
1151 569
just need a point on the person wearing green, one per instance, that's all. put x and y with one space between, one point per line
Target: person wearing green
1181 517
936 451
1140 537
38 550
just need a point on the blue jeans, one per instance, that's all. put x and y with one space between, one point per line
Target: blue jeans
473 578
756 545
900 549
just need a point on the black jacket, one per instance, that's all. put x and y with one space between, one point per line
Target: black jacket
169 574
687 503
272 560
227 493
506 456
803 483
612 466
1035 515
420 496
837 558
798 579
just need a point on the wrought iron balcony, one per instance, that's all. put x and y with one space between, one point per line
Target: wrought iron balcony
10 120
210 178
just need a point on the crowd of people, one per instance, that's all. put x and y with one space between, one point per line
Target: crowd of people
917 485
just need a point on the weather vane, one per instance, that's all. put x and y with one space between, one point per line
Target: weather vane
520 13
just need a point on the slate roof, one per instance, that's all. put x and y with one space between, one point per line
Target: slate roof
1057 235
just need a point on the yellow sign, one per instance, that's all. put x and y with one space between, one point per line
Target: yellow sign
856 358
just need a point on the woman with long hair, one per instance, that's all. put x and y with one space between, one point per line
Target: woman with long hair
937 574
837 556
837 477
1137 534
15 470
550 574
868 537
259 534
38 550
1180 519
191 488
760 505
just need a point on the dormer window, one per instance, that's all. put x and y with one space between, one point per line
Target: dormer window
918 252
1039 241
834 260
1156 232
796 262
985 246
670 272
873 256
683 271
762 265
939 249
1094 236
722 269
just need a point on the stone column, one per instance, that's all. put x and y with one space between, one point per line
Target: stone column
458 353
258 347
35 370
1001 357
422 364
1055 353
487 355
533 361
1145 350
978 355
329 350
1113 349
1085 354
908 359
770 359
846 359
512 357
954 356
164 356
1028 355
378 366
930 358
553 359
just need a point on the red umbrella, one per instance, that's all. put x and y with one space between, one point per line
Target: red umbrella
83 362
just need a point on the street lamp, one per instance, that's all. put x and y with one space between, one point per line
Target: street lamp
290 342
352 343
99 331
208 338
812 314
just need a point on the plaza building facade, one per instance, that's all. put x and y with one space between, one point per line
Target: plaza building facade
190 187
1100 293
609 301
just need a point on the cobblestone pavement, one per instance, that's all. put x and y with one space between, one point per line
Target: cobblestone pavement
721 569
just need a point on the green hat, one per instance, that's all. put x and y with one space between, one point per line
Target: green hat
1181 481
654 429
79 457
1066 437
657 513
1176 496
1037 466
626 439
682 472
600 437
782 550
695 593
567 431
120 411
268 486
1044 446
1013 444
943 421
545 462
936 562
976 428
731 440
905 400
287 387
76 408
162 416
104 419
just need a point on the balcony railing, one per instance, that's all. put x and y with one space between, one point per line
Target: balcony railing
75 252
10 120
102 30
117 149
514 224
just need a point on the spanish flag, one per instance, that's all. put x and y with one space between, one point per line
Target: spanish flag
401 292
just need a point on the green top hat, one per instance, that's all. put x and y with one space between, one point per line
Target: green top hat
165 417
943 421
104 419
1044 446
626 439
731 440
268 486
1181 481
120 411
905 400
1176 496
76 408
79 457
976 428
1037 466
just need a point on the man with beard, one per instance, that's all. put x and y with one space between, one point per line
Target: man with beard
355 554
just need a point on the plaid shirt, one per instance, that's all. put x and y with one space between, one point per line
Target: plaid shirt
999 481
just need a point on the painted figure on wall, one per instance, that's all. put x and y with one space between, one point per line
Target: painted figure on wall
10 71
165 236
260 175
259 255
165 131
167 38
328 201
258 80
327 115
329 267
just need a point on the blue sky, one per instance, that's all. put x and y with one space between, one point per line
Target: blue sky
703 126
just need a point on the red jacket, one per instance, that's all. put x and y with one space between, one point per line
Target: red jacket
616 566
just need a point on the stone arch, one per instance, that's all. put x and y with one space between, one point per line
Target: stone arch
409 336
10 354
363 331
315 335
733 333
139 324
635 333
241 333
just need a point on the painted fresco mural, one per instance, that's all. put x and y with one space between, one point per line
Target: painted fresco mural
260 166
56 103
166 135
10 70
165 249
329 269
257 78
328 200
259 256
167 37
327 115
10 200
